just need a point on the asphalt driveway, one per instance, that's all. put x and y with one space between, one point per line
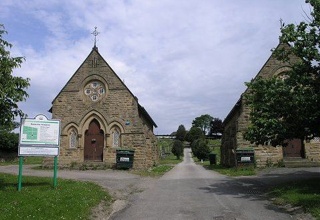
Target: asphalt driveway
186 192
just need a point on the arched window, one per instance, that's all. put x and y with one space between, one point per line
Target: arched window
73 139
282 73
116 140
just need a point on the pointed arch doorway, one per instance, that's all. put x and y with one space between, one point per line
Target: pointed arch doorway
93 142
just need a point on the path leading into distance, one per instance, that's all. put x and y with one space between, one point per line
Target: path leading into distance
189 191
186 192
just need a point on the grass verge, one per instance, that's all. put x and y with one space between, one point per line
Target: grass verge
38 200
304 193
165 165
26 160
247 170
234 171
170 159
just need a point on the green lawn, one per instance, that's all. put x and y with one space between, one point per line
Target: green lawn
38 199
232 171
304 193
165 165
26 160
170 159
215 148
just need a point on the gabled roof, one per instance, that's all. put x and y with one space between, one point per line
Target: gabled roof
144 112
235 108
95 50
238 103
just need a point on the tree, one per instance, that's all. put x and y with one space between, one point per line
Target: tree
12 88
177 148
203 122
8 141
289 107
200 148
216 126
193 134
181 133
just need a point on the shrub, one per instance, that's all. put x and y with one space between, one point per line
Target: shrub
177 148
8 141
200 149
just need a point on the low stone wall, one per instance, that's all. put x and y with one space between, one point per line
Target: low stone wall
268 155
312 150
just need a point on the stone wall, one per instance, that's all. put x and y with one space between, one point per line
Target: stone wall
117 107
312 150
237 122
229 140
268 155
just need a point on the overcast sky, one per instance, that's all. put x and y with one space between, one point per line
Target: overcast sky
181 58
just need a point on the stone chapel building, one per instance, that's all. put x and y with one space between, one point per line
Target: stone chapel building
236 123
99 115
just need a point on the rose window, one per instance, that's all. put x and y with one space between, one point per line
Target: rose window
95 91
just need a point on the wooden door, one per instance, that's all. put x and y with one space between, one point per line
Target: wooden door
293 148
93 143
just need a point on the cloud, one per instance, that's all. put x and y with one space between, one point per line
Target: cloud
180 58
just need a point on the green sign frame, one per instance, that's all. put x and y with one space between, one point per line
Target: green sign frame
39 137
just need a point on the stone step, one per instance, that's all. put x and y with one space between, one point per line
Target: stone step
292 162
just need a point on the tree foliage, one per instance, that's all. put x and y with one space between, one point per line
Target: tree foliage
181 133
203 122
216 126
289 107
193 134
177 148
200 148
12 88
8 141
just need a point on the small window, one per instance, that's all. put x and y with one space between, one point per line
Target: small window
116 138
101 91
283 76
94 84
94 98
73 139
88 91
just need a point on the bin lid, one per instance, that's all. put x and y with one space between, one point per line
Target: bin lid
125 151
245 149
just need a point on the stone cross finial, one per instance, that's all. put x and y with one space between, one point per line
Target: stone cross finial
95 34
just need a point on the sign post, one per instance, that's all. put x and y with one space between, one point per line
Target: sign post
55 168
39 137
20 174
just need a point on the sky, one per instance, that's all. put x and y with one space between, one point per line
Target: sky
181 58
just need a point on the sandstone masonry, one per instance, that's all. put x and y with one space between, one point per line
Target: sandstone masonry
99 115
236 123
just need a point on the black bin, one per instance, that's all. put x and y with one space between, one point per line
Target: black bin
213 158
124 159
245 156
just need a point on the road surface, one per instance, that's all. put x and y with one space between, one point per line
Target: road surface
189 191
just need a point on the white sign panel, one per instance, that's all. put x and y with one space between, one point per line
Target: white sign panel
39 151
38 135
124 159
245 159
39 132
